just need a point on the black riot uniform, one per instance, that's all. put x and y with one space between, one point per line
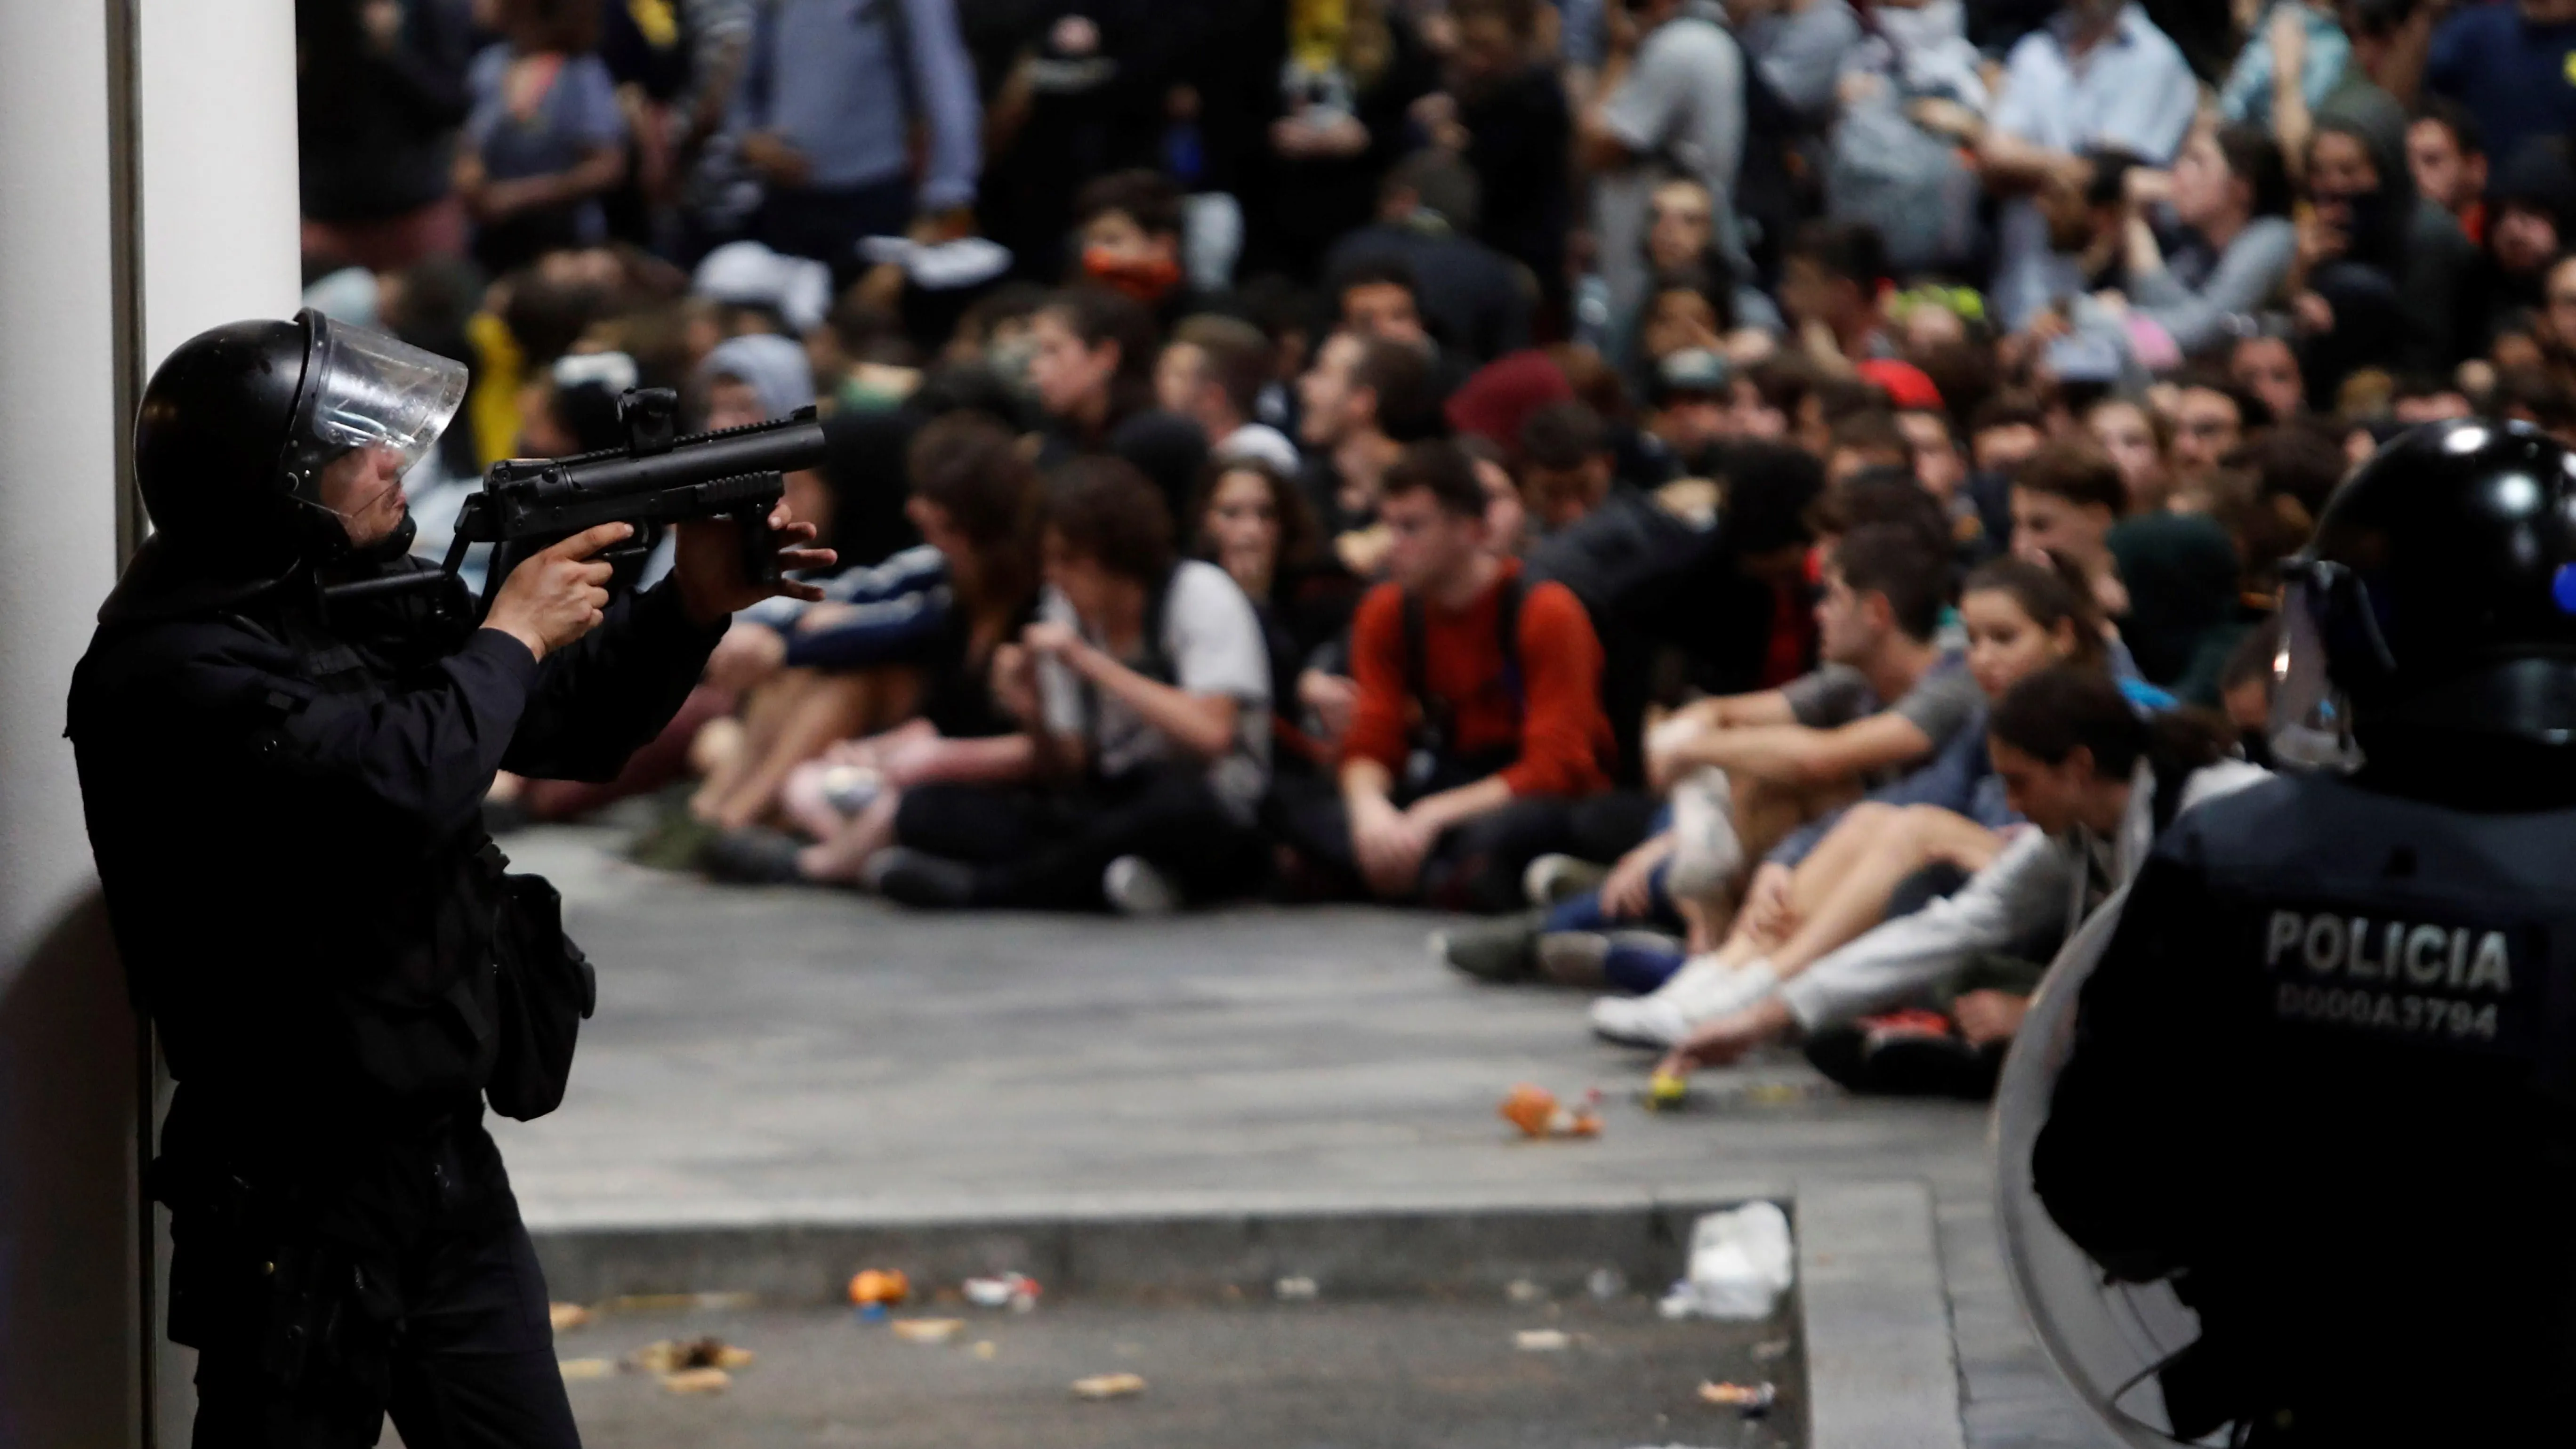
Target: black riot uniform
2322 1075
283 795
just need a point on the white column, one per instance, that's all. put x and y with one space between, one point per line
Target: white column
218 172
217 181
67 1338
214 154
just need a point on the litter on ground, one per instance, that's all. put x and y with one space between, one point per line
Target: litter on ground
1740 1263
1751 1400
1539 1115
698 1381
928 1330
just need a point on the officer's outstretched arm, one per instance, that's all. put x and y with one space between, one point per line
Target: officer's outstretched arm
598 700
2140 1137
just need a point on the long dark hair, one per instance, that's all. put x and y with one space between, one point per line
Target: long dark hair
2052 593
971 467
2063 707
1298 534
2253 157
1097 315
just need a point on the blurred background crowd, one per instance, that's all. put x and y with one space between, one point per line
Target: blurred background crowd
1763 500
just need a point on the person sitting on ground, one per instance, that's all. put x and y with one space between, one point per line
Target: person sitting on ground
1423 245
1688 417
2064 501
1253 523
1822 888
1128 225
2231 192
975 501
1868 440
1833 279
1144 688
2212 417
1091 363
1360 401
2446 150
2265 363
1739 617
1745 770
2097 782
2139 442
1477 724
1566 465
1212 372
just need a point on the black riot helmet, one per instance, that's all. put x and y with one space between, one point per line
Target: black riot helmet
238 424
2431 624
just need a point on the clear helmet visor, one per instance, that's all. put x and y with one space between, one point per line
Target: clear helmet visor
363 389
2311 725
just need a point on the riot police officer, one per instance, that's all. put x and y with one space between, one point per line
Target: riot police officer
2321 1078
283 785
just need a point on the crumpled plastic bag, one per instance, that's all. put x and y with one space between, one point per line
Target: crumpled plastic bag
1741 1261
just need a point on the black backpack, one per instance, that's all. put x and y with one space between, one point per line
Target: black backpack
1436 733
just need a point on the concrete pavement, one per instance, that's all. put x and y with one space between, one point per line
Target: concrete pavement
787 1060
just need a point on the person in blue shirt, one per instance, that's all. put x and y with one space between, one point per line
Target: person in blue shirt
2513 65
829 102
545 139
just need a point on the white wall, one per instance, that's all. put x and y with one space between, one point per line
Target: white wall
219 213
67 1362
218 204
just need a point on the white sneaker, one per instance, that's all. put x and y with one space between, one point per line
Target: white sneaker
1707 853
1706 998
1702 990
1638 1021
1133 887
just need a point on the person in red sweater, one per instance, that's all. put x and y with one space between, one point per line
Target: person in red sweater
1463 764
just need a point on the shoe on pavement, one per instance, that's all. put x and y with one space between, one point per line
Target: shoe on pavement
754 855
1702 991
1643 1021
1133 887
1707 853
1589 959
1921 1064
1552 880
1495 951
916 878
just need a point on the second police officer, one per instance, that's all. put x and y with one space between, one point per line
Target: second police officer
2322 1078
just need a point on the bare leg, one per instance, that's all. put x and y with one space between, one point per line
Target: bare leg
842 855
755 723
1756 932
801 800
834 708
1855 898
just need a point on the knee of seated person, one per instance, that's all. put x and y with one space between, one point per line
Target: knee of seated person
1871 815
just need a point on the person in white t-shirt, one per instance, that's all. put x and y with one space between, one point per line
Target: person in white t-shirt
1145 689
